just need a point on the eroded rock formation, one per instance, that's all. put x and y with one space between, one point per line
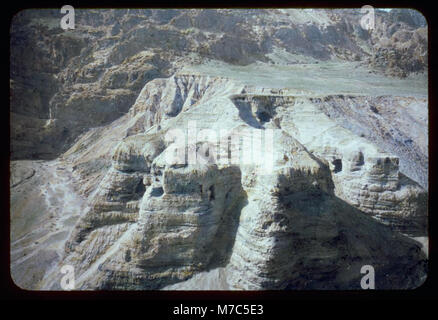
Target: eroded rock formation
330 202
304 176
65 82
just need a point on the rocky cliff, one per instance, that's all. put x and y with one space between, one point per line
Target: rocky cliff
65 82
219 149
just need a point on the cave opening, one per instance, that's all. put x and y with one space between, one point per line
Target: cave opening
263 116
211 193
128 255
157 192
360 161
140 188
338 165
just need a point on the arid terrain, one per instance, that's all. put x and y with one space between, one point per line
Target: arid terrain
304 143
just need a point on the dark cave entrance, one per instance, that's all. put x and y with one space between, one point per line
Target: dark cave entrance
263 116
338 165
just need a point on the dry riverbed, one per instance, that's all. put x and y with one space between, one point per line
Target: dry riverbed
44 209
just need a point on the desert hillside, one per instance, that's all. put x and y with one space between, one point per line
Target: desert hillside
225 149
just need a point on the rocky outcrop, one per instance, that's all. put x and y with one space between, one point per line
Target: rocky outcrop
398 125
401 44
329 203
297 235
218 149
66 82
364 175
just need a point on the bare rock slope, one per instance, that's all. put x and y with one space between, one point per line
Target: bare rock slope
217 149
332 202
66 82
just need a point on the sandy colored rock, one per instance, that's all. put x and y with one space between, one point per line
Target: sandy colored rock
310 160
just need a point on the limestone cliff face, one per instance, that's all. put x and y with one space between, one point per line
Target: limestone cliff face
218 149
364 175
331 202
66 82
